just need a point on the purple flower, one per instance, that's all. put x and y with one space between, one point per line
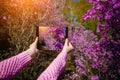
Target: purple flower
75 76
86 16
114 1
98 29
108 15
94 78
117 5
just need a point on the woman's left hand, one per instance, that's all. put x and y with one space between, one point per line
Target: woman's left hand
33 48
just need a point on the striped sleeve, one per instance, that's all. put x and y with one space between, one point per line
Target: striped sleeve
10 66
55 68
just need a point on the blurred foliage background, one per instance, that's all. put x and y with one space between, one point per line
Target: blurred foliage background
17 31
75 10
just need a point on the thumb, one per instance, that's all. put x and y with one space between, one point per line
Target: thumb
34 44
66 42
71 46
37 51
36 40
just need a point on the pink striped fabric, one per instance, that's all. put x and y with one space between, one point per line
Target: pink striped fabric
9 67
55 68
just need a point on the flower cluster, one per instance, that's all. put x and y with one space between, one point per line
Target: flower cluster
107 12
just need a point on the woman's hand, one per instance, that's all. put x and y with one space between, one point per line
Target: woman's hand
67 46
33 48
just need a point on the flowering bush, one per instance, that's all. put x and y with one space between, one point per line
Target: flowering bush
95 58
107 12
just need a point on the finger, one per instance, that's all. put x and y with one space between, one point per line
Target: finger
37 51
66 42
36 40
71 46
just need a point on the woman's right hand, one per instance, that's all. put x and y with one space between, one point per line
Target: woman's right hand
67 46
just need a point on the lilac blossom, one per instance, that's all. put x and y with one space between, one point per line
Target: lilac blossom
94 78
108 15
